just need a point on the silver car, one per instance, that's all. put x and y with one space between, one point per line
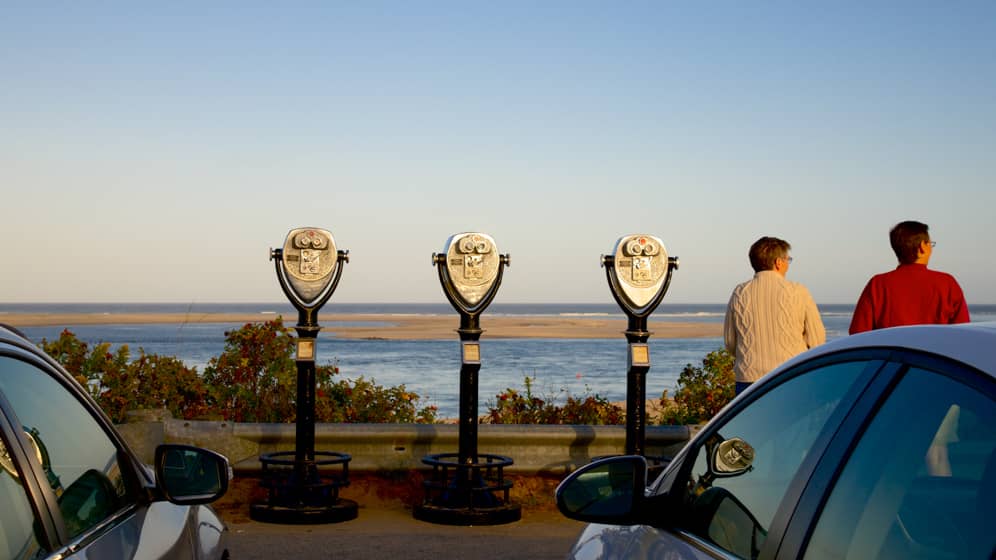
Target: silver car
878 445
71 488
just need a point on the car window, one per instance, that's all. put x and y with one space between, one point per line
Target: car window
921 482
744 469
79 460
17 538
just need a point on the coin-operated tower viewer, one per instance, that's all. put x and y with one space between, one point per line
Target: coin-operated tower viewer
467 487
639 273
300 487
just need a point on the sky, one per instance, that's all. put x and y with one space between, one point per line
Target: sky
156 151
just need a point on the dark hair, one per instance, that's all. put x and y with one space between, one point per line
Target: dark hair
765 251
906 238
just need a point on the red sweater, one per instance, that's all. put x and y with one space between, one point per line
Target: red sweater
909 295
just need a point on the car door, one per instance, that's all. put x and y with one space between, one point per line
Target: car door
784 424
784 427
18 538
69 477
920 481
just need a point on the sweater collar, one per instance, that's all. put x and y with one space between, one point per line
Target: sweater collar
911 266
768 274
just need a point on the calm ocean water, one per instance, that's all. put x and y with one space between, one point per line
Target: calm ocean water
431 368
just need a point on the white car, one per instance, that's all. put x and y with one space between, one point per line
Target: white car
71 488
877 445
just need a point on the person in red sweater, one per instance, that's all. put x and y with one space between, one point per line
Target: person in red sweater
911 294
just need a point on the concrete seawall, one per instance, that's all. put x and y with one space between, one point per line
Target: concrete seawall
535 449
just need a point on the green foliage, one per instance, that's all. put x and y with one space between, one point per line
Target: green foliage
591 409
701 391
153 381
85 365
344 400
119 385
253 380
513 407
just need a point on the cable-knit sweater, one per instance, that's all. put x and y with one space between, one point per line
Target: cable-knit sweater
769 319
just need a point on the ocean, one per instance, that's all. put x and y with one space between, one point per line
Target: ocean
431 368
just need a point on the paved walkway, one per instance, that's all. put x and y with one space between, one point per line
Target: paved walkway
385 529
393 534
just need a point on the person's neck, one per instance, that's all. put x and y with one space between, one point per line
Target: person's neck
774 271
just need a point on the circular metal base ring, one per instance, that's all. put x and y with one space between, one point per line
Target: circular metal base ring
441 515
341 510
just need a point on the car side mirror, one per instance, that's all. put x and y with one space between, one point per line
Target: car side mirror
610 491
189 475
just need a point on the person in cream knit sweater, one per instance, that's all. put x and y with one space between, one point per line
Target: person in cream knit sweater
769 319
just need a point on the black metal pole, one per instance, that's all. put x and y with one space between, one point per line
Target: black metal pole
470 332
636 389
304 448
467 451
467 477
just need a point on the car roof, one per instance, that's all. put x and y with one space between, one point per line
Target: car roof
11 335
973 344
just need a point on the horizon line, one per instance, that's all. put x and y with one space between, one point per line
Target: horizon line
285 302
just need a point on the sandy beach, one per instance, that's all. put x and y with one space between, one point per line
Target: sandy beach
391 327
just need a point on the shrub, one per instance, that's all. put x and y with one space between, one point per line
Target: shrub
254 379
701 391
119 385
83 364
346 400
513 407
153 381
591 409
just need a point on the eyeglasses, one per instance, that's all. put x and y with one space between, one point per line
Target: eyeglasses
933 244
788 259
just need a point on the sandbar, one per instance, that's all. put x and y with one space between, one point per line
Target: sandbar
392 327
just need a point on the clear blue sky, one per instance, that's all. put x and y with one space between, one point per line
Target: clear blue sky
156 151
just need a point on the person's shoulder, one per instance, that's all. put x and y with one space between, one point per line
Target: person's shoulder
941 274
745 290
883 276
799 287
944 277
739 288
898 271
752 281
